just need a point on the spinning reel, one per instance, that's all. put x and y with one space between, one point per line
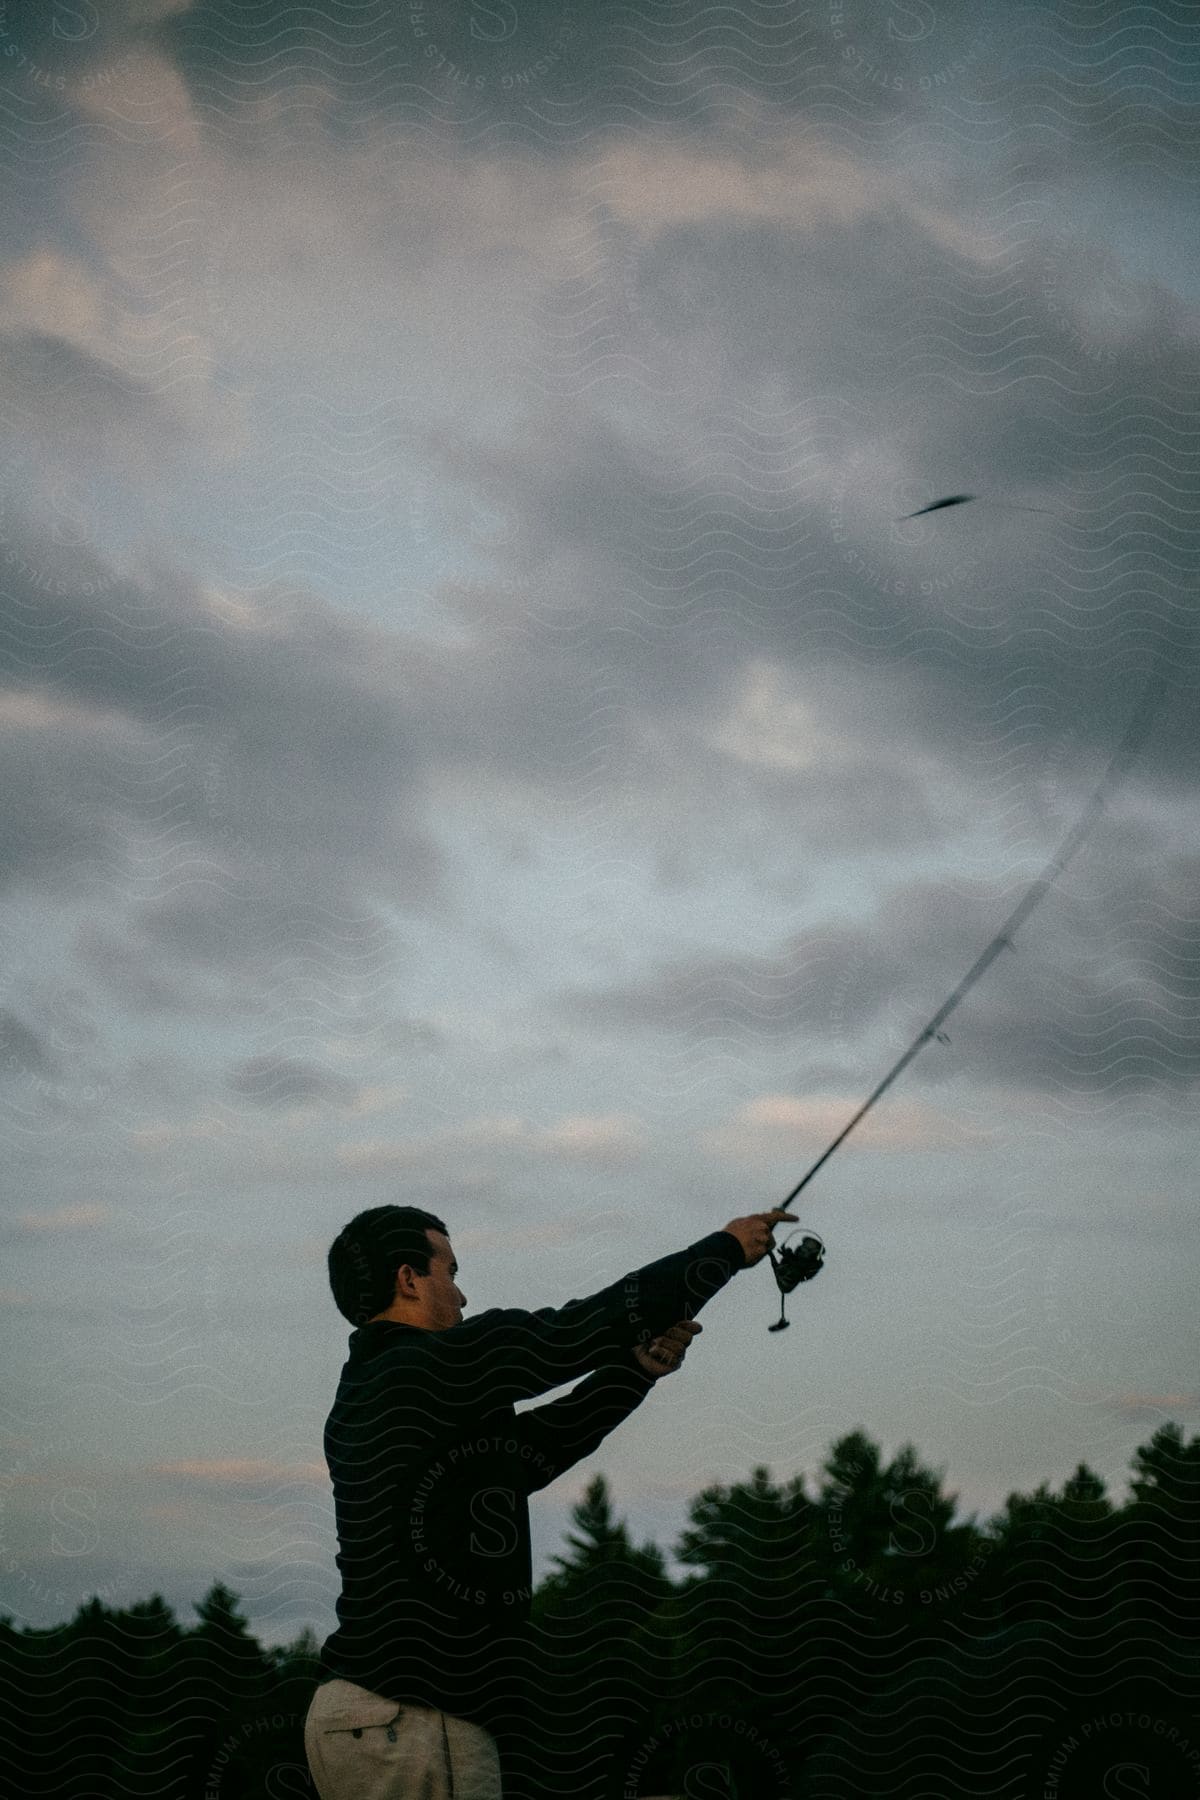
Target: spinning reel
791 1267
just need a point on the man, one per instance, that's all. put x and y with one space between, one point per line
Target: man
421 1683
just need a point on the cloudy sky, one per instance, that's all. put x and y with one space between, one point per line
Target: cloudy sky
474 732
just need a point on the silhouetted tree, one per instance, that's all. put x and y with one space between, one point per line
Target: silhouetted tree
1058 1552
146 1750
1162 1531
871 1640
591 1677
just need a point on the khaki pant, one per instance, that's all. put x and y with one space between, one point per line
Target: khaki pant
363 1747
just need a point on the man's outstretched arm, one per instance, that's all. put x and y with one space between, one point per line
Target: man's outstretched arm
556 1436
509 1355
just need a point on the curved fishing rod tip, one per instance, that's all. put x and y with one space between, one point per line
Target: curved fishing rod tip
961 500
936 506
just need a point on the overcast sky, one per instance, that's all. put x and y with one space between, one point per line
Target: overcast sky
475 734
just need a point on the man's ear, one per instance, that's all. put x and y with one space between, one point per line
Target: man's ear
406 1282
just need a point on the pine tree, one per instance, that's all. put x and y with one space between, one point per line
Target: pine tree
600 1542
590 1649
1163 1528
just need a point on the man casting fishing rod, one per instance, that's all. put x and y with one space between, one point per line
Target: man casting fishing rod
421 1683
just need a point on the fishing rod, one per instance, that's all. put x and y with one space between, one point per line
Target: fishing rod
792 1266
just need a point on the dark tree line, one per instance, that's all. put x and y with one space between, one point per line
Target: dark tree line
849 1638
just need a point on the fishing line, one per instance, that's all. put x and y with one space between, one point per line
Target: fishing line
791 1267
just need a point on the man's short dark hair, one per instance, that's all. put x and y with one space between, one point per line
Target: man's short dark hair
366 1253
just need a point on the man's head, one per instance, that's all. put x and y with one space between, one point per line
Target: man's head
396 1262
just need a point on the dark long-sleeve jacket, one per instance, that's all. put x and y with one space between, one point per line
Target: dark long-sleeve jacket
432 1468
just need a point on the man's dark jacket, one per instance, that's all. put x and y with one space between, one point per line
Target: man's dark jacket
432 1466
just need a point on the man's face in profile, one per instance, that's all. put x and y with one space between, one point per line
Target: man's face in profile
442 1300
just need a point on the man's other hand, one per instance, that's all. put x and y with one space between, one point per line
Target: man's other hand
663 1355
754 1232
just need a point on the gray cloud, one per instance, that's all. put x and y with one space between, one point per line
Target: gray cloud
70 398
238 778
1102 994
460 664
546 72
282 1081
904 351
22 1050
644 575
